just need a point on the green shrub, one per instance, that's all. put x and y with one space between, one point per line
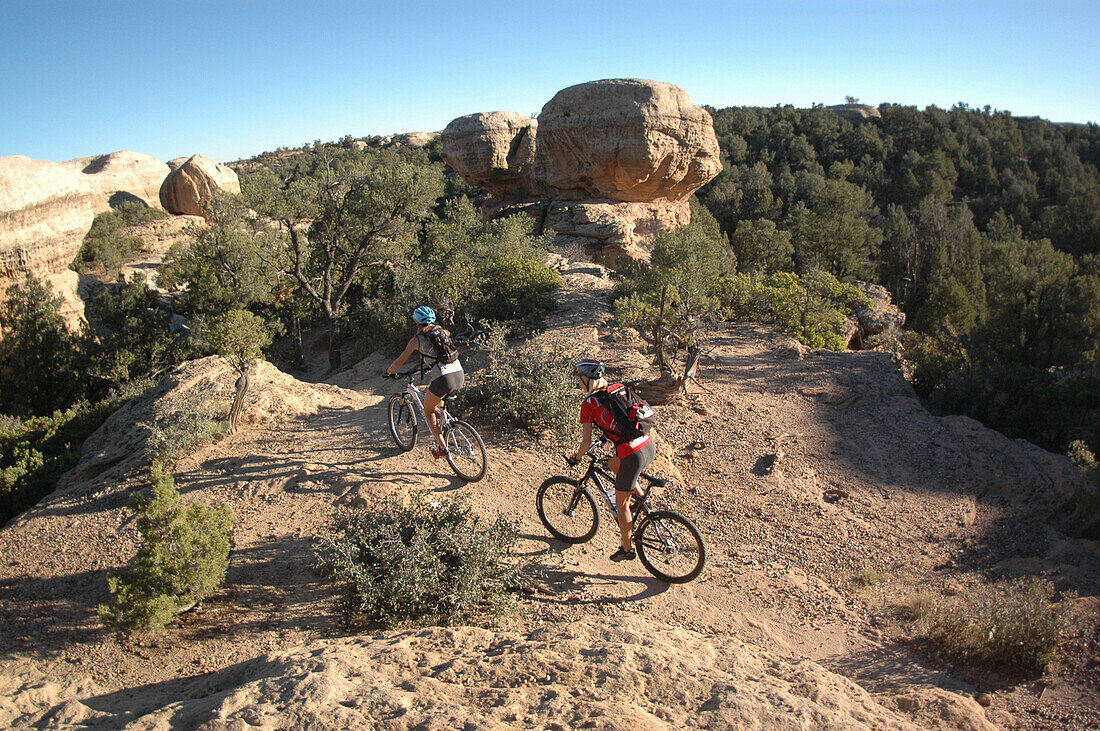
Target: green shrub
1014 627
182 425
107 244
182 432
182 559
35 452
811 308
424 562
869 578
523 387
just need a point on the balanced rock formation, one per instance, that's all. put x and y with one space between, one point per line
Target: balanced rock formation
625 140
608 163
46 208
192 184
494 150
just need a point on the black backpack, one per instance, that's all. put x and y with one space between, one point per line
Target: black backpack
445 349
633 415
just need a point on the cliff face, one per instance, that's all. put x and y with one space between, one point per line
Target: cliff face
47 207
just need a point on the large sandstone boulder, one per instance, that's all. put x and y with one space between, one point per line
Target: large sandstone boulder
625 140
193 183
493 150
607 166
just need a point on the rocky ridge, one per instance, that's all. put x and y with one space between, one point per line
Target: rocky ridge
46 208
802 469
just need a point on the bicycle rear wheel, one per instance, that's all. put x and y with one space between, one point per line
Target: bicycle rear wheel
567 510
402 422
465 451
670 547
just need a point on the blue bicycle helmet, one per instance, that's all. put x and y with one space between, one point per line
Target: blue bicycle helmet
424 315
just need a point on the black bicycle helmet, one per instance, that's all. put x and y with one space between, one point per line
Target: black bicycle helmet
589 368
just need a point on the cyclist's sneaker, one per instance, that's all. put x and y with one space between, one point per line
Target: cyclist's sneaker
439 452
622 555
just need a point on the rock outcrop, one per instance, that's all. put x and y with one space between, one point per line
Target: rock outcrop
46 208
123 176
494 150
867 325
636 675
855 113
609 164
192 184
624 140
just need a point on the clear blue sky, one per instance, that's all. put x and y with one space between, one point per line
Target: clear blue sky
230 79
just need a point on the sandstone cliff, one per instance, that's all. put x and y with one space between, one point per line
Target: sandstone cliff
46 208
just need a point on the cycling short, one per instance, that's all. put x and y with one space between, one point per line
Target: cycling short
632 465
446 383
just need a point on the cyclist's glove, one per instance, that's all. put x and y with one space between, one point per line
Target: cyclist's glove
388 376
571 459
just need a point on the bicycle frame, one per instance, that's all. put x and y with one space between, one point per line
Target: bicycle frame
595 473
414 393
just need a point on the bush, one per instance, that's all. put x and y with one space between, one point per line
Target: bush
523 387
181 432
35 452
182 559
1014 627
423 563
811 308
107 244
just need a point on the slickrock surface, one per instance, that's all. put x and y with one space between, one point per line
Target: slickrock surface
776 632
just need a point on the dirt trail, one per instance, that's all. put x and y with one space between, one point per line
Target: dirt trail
867 481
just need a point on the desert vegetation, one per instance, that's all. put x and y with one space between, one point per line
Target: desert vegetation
421 562
182 559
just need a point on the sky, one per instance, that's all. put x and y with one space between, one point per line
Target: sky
231 79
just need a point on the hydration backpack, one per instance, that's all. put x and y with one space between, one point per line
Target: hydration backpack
633 416
444 347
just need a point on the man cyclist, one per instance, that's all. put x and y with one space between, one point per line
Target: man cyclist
631 457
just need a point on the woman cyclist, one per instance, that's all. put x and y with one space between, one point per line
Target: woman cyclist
631 457
445 377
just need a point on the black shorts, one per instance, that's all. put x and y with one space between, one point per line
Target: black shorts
447 383
632 465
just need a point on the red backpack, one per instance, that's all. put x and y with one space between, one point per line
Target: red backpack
633 416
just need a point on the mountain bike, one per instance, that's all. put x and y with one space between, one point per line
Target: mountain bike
668 544
465 451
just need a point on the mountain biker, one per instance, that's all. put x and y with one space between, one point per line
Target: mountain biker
631 457
445 377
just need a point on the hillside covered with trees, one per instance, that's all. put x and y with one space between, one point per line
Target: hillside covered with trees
984 226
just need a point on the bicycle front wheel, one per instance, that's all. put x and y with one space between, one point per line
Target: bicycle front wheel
670 547
567 510
402 422
465 451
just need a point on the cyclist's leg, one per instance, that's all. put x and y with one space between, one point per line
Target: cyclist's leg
625 480
431 403
437 389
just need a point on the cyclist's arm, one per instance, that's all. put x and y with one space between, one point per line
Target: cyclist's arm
405 355
586 439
